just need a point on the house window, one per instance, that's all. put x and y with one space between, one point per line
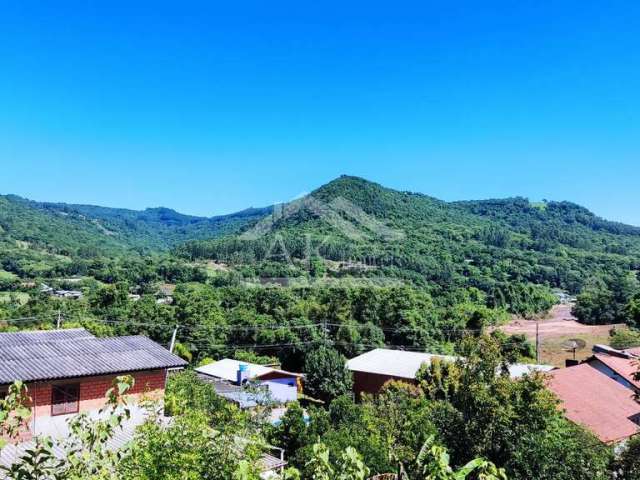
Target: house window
65 399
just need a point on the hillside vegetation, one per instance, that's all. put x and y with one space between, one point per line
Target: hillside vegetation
509 249
41 239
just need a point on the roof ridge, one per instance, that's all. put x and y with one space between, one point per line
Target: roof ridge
46 331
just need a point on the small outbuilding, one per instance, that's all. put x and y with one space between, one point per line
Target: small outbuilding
620 365
70 371
282 386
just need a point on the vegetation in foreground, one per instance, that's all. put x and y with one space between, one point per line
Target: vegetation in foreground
460 421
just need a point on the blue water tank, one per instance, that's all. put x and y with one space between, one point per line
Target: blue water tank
242 374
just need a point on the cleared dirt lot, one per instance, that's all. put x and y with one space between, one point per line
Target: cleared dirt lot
559 326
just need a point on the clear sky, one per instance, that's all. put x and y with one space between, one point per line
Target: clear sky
212 107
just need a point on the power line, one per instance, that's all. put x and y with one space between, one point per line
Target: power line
20 319
256 327
245 327
159 325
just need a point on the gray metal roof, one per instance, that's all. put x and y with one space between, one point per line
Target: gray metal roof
56 354
235 393
12 453
395 363
41 336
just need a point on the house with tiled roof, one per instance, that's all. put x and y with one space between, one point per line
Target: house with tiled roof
597 402
70 371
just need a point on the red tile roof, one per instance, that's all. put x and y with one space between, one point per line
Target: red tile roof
625 367
596 401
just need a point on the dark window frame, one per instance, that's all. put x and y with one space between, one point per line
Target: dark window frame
65 399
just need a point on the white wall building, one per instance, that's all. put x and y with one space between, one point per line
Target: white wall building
283 386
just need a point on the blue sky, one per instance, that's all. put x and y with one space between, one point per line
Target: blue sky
212 107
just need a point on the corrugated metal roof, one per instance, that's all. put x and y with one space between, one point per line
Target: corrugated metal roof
625 367
404 364
270 463
227 368
12 453
41 336
49 355
235 393
596 401
394 363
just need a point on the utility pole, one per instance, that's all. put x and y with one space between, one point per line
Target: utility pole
59 320
173 339
537 341
325 331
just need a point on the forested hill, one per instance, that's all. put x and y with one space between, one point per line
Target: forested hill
76 229
49 239
357 227
349 227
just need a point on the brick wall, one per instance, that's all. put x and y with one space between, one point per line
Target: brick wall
148 384
94 389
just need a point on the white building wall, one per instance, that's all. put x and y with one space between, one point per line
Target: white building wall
283 390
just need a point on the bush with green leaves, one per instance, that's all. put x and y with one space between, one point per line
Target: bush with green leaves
327 374
188 448
14 412
86 454
627 464
624 338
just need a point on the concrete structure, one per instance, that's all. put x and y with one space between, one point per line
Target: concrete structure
283 386
596 402
70 371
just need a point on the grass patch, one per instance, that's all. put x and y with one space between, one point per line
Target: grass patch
552 351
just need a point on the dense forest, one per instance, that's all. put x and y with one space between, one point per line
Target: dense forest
353 262
491 245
